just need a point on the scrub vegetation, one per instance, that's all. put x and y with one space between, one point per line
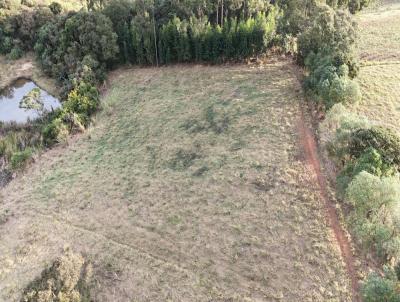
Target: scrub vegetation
363 139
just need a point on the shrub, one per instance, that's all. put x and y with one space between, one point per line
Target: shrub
29 3
82 100
16 140
55 8
336 129
23 27
370 161
295 15
375 217
15 53
89 33
384 140
384 288
357 5
54 132
65 45
67 280
20 159
6 44
331 33
328 83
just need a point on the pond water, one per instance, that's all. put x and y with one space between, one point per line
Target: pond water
11 97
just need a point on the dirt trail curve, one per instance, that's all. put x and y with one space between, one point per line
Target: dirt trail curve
309 145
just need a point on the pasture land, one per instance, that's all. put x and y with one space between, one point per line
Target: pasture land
191 185
380 57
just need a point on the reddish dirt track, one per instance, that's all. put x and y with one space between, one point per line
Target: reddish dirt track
308 142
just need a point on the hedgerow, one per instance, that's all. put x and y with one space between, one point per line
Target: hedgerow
382 288
330 84
375 218
386 141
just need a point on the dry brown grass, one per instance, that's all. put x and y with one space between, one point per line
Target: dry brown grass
380 75
190 186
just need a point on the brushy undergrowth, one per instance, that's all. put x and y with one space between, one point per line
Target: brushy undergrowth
66 280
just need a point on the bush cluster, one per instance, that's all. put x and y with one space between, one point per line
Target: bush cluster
382 288
368 158
72 45
81 102
66 280
18 32
375 218
328 83
352 5
327 49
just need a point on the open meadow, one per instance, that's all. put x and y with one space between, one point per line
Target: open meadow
380 58
191 185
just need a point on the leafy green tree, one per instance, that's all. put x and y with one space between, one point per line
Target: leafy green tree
121 14
376 217
55 8
381 288
63 44
384 140
329 83
331 33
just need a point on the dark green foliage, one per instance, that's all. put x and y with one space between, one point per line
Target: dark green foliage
88 33
199 40
143 40
21 30
55 8
352 5
15 53
65 44
121 13
370 161
19 159
51 132
379 288
329 83
331 33
296 16
6 43
327 49
383 140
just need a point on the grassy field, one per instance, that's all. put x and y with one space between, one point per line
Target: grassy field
380 55
190 186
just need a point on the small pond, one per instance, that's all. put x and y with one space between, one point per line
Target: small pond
24 101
